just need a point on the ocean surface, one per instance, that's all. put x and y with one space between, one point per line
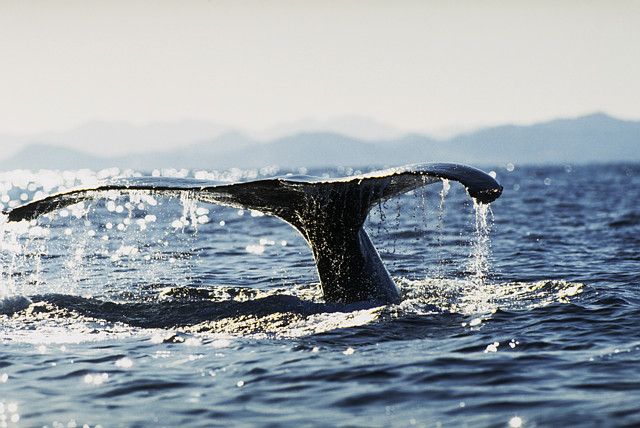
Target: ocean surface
137 311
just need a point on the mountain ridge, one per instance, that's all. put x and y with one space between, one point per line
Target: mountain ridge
588 138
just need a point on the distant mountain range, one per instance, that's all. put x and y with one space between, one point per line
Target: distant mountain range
592 138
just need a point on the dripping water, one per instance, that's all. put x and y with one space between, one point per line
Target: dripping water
479 264
189 206
422 223
477 295
396 225
439 272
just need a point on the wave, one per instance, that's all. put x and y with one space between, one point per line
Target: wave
278 313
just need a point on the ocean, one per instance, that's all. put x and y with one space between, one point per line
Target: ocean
137 311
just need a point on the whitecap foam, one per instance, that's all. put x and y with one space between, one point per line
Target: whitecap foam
468 298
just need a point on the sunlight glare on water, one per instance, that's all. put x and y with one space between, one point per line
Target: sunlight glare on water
109 306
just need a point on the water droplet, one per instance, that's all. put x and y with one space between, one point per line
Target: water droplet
492 347
254 249
515 422
96 379
349 351
124 363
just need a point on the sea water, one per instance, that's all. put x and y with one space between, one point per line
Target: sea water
147 311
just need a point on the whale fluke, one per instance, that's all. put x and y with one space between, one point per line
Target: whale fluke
329 213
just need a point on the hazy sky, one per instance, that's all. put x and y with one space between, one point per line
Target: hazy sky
254 64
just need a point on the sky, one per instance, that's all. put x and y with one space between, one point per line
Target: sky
255 65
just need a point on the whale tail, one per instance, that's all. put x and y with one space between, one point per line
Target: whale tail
329 213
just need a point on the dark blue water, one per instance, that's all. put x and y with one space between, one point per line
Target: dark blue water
114 317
